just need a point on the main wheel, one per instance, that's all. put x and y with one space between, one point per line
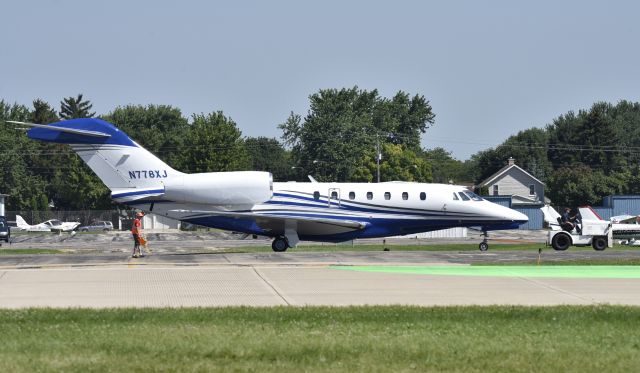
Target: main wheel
84 230
483 246
561 242
599 243
280 244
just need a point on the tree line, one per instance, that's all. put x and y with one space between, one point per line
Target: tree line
582 157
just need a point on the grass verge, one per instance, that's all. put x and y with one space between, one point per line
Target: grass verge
30 251
394 338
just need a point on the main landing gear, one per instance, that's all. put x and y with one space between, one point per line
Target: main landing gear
280 244
484 245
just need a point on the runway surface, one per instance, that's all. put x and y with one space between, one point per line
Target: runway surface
337 278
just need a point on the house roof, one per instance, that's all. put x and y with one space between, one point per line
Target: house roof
503 171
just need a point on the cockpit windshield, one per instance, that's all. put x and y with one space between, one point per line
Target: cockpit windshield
473 196
467 196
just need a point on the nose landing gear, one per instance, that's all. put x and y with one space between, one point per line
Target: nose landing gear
484 245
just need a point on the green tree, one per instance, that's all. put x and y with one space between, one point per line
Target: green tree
591 138
398 163
269 155
344 127
215 144
528 148
19 177
43 113
445 168
580 185
409 117
75 107
74 186
160 129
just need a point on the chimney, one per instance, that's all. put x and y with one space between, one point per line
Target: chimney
511 161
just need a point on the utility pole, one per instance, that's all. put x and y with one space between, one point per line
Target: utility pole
378 154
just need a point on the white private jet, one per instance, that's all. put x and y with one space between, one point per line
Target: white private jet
53 225
250 202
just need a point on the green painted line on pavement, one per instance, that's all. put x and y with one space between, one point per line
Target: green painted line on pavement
507 271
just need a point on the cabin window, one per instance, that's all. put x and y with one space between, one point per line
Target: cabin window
464 196
405 196
316 195
369 195
532 190
334 195
423 196
455 197
495 190
352 195
387 195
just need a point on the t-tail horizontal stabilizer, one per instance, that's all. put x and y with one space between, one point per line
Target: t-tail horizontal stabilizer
75 131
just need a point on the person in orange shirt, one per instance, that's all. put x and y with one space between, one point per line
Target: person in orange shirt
136 231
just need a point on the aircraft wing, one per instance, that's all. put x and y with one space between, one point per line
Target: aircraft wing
304 225
623 219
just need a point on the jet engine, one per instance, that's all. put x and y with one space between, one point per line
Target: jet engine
220 188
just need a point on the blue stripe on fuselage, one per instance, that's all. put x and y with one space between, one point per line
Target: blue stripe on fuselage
349 206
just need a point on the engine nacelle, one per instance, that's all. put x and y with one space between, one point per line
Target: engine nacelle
221 188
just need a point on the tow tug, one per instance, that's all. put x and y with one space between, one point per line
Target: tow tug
597 234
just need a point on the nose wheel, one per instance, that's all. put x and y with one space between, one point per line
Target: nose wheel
280 244
484 245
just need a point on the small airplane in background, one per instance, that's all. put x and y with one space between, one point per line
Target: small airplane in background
250 202
53 225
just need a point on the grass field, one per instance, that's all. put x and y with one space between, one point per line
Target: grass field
363 339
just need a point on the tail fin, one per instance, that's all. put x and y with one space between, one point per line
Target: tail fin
587 213
20 223
118 161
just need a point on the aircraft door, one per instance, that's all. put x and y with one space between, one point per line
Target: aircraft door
334 197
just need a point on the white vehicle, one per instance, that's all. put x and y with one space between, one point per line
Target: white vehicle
53 225
250 202
597 234
624 227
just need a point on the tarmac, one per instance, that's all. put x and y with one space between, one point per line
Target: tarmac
183 274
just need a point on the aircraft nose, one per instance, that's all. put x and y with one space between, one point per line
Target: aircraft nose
518 217
507 214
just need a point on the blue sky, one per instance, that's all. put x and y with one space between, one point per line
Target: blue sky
489 68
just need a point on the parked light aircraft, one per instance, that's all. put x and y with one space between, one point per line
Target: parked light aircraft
53 225
250 202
